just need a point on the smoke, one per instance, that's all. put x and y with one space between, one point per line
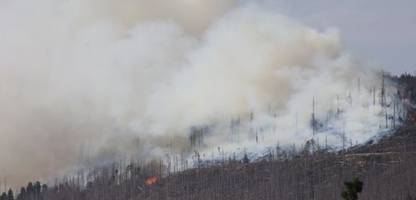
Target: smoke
84 82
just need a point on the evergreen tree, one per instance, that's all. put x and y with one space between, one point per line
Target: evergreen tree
44 188
30 191
352 189
29 188
22 194
3 196
246 160
37 188
10 195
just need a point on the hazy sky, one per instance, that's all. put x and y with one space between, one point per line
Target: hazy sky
380 31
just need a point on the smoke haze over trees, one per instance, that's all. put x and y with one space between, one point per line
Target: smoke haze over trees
86 83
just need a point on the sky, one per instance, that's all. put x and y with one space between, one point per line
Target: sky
382 32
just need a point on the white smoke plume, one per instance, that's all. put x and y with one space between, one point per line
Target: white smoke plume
109 79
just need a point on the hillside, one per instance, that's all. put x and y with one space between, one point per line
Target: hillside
388 170
386 166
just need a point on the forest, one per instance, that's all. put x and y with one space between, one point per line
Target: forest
387 169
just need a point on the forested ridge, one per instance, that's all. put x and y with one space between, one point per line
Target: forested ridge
386 167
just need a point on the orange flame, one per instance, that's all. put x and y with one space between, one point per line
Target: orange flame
151 180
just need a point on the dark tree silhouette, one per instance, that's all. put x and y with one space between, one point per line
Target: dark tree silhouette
245 159
37 188
22 193
44 188
3 196
352 189
29 188
10 195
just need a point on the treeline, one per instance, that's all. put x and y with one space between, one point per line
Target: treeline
30 192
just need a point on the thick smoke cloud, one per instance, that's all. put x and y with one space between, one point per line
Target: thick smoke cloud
74 74
83 82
